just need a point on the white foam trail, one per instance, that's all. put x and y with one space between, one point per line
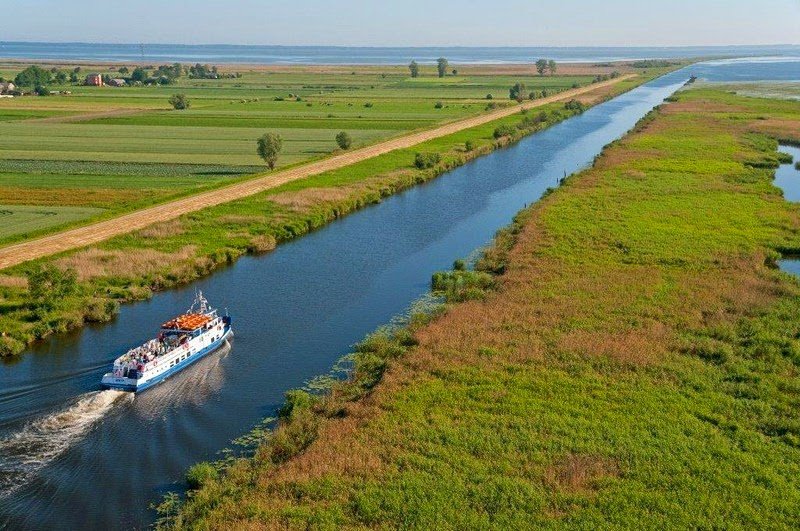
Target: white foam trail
43 439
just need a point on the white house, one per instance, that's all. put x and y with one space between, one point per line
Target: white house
7 86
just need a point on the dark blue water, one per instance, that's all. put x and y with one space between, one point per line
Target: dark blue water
72 457
215 53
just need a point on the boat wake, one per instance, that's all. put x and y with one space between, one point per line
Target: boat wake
40 441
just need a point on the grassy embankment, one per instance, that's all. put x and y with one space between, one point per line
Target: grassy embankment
131 267
634 364
107 150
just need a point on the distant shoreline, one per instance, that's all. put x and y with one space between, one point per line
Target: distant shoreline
280 55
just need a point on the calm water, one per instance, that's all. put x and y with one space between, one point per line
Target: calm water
72 457
787 176
362 55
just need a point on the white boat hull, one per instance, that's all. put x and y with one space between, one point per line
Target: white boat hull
195 350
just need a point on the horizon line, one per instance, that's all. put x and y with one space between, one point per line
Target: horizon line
382 46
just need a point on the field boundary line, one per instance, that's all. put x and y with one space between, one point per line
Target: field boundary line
103 230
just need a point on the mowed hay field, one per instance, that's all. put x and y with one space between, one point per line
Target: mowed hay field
15 219
625 357
122 148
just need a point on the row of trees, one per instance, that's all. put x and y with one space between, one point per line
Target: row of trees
519 93
442 64
546 65
270 146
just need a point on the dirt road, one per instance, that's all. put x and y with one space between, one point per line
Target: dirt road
103 230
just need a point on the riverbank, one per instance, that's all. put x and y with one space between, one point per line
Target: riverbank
634 365
132 266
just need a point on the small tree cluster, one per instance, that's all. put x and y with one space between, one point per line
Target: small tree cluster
545 65
503 130
33 76
517 92
575 105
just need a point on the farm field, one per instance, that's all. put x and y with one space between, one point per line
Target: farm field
122 148
15 219
625 356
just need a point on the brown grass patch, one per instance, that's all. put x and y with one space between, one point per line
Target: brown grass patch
163 230
99 263
87 197
262 243
309 197
236 219
777 127
577 473
8 281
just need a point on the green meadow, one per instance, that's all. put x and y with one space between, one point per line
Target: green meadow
625 356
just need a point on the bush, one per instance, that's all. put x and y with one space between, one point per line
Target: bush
179 101
488 96
296 400
503 130
438 105
41 91
461 285
426 160
469 145
368 105
48 284
343 140
201 474
575 105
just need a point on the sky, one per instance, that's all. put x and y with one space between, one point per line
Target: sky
406 22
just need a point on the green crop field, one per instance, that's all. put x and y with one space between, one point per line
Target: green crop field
16 219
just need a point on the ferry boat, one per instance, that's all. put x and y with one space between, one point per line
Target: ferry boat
181 341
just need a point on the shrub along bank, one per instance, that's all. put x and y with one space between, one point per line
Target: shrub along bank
626 355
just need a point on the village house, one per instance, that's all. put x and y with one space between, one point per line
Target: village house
95 80
117 82
6 87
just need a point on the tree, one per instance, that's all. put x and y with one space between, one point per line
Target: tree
139 74
269 147
32 76
441 66
541 66
61 77
48 284
179 102
414 69
343 140
123 70
552 66
517 92
41 90
73 77
455 72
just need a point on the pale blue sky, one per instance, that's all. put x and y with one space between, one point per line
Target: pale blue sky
406 22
